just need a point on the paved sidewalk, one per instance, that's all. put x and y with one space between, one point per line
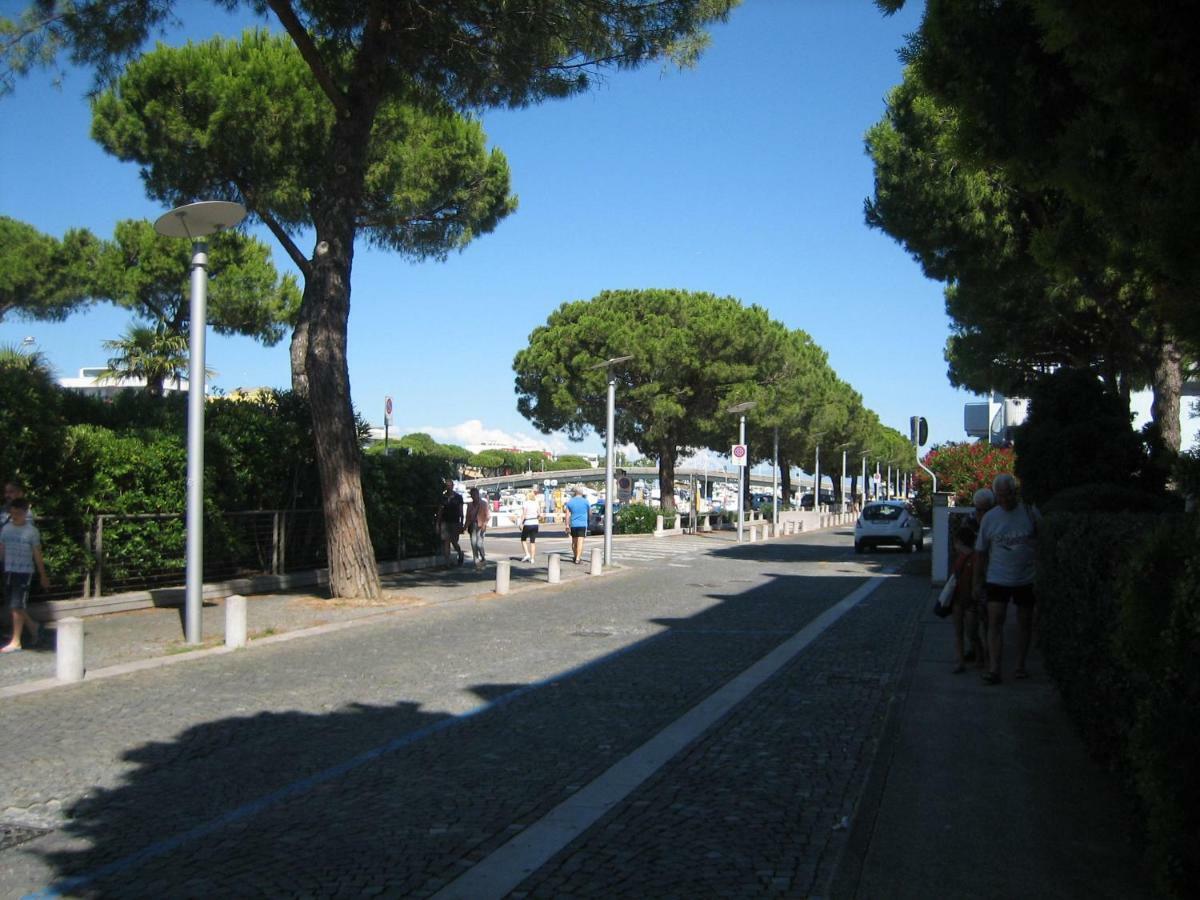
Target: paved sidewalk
986 791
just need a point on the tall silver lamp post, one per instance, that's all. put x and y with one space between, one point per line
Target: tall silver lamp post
741 409
775 484
196 221
609 439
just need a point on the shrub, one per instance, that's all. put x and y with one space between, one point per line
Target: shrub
1077 433
402 492
1111 498
962 468
636 518
1121 635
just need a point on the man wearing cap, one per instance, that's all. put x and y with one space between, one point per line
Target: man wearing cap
577 520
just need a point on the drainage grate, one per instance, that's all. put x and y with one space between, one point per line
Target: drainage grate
12 835
591 633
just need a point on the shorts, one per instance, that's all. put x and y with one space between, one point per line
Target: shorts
529 532
449 531
580 531
16 589
1019 594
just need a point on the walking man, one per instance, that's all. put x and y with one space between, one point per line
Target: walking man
450 521
577 520
21 553
1005 568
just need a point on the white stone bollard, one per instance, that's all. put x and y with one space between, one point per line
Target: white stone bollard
597 562
553 572
235 621
68 660
753 533
658 524
502 572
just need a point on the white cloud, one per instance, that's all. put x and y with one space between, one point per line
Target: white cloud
476 436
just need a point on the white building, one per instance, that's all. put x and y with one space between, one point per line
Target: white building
91 381
996 417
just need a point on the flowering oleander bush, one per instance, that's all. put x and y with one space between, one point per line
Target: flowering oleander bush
962 468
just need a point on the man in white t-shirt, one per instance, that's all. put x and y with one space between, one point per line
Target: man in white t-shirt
1005 569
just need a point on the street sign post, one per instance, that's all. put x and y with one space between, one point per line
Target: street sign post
739 454
387 420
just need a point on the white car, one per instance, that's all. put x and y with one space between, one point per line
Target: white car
888 522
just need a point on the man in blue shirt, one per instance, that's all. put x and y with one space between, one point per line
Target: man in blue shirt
577 510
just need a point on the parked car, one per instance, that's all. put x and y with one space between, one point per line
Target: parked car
596 517
891 522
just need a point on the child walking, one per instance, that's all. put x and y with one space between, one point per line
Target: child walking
21 553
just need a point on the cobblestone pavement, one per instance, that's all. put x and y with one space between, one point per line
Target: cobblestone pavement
388 758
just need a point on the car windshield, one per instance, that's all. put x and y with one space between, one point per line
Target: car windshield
882 513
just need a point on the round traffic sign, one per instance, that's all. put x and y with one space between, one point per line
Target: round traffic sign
387 406
739 450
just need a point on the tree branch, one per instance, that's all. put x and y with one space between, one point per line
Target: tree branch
281 235
308 51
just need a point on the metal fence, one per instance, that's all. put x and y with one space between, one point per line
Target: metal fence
119 553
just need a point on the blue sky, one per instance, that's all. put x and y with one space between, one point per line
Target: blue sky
744 176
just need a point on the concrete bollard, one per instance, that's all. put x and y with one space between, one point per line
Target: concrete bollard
597 561
235 621
658 524
502 572
553 572
68 661
753 530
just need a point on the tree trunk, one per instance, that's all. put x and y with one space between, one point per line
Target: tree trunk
785 479
321 333
352 570
299 355
666 479
1168 387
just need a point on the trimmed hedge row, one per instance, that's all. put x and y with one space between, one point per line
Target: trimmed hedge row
1120 631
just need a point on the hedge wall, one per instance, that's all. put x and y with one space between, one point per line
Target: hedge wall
1120 631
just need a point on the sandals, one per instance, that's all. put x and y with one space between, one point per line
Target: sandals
991 677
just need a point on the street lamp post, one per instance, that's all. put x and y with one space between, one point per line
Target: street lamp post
196 221
609 427
741 409
817 482
863 486
775 484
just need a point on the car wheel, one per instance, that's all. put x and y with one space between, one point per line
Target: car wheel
907 547
858 547
920 543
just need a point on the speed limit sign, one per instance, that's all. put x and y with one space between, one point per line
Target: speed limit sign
739 454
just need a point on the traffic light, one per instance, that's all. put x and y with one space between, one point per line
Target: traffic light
918 430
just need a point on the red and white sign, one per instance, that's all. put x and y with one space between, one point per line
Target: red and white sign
739 454
387 406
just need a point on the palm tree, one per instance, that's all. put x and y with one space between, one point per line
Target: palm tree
151 353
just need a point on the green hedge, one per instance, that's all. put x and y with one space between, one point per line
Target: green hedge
402 492
1120 630
636 518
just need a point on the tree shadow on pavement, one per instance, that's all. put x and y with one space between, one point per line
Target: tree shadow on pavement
397 797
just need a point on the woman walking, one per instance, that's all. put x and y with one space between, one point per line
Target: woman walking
478 516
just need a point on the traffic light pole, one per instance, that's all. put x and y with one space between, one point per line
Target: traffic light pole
918 431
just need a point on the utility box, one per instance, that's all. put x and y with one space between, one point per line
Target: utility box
947 518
